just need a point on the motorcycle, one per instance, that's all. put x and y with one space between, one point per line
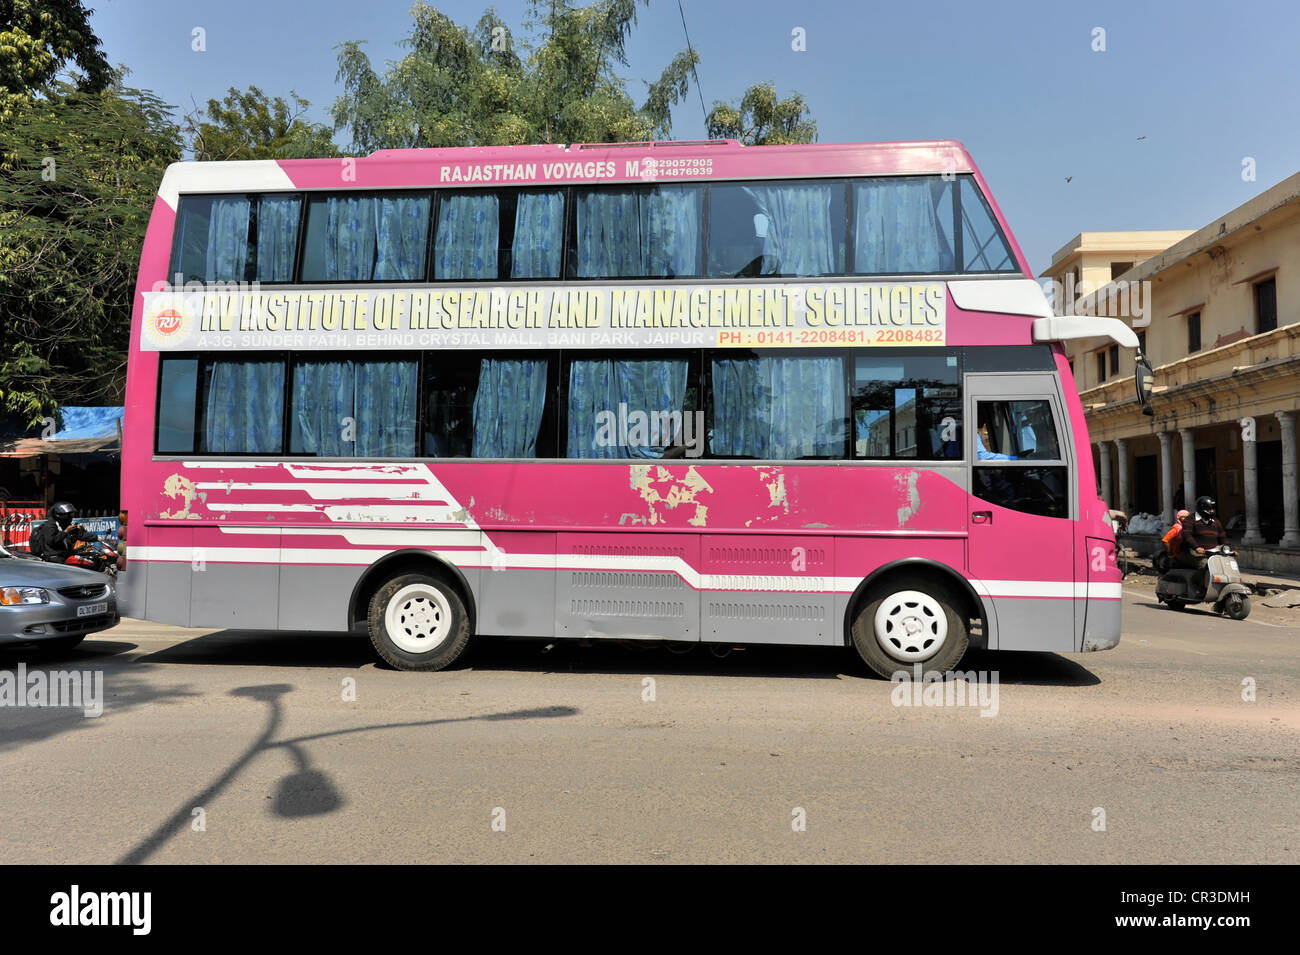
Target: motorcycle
94 554
1180 586
89 552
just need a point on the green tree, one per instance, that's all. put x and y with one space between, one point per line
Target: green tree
762 119
81 171
463 87
38 39
252 125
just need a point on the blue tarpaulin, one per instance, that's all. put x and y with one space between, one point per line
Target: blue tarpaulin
88 422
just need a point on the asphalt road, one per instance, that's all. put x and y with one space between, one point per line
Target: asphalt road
529 754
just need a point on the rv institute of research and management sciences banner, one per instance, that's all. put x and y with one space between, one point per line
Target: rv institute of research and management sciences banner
686 316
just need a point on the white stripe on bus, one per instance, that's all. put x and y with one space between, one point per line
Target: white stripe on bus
484 558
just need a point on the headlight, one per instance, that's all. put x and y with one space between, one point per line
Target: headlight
13 596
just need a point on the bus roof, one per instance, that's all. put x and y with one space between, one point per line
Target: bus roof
575 164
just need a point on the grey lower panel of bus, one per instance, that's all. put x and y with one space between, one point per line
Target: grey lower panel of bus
243 596
766 617
516 603
630 604
1037 624
544 603
1101 631
316 598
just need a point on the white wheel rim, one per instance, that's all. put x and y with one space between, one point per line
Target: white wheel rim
418 618
911 626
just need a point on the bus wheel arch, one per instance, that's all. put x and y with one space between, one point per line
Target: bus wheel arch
396 565
934 595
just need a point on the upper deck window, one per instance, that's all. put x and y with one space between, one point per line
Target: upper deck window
236 238
380 238
806 228
777 229
641 232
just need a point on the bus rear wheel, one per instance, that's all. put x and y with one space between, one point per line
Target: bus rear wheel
909 623
418 623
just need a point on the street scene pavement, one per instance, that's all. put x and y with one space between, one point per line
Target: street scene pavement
1178 746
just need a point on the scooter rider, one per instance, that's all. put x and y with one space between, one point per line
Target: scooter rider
56 538
1199 535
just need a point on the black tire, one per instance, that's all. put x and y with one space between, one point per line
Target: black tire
1173 603
940 599
1237 606
428 627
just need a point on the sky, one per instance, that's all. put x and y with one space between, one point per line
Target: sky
1150 132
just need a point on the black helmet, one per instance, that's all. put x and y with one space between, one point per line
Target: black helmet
1205 506
63 514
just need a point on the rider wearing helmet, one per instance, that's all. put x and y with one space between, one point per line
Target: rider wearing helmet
1200 534
55 539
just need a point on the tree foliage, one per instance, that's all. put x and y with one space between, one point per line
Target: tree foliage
252 125
762 119
471 87
81 171
38 39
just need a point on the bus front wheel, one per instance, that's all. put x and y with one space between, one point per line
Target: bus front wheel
909 623
418 623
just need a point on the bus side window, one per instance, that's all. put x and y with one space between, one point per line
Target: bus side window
907 405
1018 463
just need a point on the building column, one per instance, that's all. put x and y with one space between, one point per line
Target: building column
1251 473
1124 502
1167 477
1189 469
1291 536
1104 449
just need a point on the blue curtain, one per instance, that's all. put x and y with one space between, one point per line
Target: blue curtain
227 240
350 239
385 409
638 232
778 408
245 412
897 228
277 237
467 240
539 235
799 238
672 218
402 229
322 398
596 386
379 397
508 407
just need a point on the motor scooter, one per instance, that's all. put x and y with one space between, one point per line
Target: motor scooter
1180 586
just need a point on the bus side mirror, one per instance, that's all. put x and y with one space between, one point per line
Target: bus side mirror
1142 378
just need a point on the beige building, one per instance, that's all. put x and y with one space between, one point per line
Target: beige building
1217 312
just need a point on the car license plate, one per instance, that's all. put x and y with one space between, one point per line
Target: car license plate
89 610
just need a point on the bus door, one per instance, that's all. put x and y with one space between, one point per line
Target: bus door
1020 543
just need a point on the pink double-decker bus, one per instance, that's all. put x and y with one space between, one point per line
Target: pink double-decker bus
697 392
